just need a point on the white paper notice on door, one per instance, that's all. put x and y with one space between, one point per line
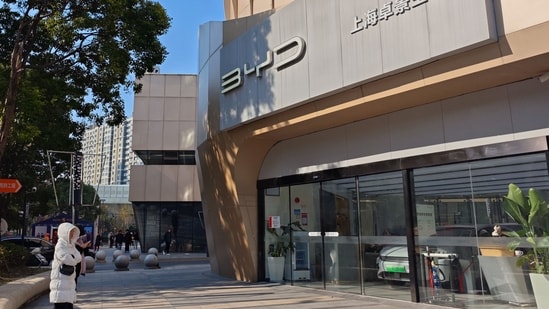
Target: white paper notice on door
425 214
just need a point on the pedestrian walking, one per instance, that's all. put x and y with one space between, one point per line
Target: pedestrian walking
168 236
119 240
127 240
136 240
111 239
97 243
83 246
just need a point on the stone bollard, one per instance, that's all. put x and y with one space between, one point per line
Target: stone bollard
134 254
153 251
100 256
151 261
116 254
90 264
122 262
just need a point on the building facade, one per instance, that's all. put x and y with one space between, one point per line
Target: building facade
164 191
108 154
384 135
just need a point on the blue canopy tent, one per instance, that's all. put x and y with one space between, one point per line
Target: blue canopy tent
39 229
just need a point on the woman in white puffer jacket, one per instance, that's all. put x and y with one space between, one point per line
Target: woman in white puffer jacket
63 287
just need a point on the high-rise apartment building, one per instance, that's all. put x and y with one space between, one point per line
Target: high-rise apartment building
108 154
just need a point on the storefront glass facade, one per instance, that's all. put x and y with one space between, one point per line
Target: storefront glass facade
360 233
184 219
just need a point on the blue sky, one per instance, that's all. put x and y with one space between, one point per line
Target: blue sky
181 40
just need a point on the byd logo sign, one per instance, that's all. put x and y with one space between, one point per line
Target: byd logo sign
295 46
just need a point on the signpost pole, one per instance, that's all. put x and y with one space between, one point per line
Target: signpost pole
8 185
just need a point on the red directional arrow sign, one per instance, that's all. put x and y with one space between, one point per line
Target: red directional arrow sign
9 185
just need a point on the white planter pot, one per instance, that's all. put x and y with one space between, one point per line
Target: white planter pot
540 285
275 265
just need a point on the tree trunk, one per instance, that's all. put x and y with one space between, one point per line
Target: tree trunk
9 103
24 35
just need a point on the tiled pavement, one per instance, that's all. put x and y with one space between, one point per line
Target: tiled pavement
185 281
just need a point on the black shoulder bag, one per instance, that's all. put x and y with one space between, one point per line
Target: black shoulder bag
66 269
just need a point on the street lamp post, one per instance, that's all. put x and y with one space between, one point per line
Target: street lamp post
75 171
26 212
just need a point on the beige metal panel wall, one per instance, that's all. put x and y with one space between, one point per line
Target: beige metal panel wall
155 133
504 113
188 86
170 135
171 109
526 108
153 183
169 184
243 8
196 183
165 119
516 15
237 8
188 189
186 136
137 183
477 115
165 113
187 109
140 129
141 107
164 183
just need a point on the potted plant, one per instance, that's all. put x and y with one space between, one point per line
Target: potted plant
531 212
278 249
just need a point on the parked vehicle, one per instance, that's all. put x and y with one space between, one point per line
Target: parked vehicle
393 263
31 243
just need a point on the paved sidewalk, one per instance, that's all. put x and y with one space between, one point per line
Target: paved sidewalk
185 281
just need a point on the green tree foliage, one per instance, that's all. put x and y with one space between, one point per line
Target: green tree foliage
32 134
64 64
92 47
89 209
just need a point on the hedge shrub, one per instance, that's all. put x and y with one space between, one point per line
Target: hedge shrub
13 256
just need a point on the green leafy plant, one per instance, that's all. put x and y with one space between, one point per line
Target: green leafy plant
12 256
531 212
282 243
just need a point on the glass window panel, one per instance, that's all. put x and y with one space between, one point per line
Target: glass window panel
385 268
457 206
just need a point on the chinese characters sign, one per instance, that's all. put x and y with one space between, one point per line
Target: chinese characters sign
374 16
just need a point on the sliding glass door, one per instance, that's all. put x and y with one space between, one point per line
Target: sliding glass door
385 268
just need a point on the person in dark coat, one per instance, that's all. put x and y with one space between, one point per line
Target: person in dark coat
83 246
111 239
127 241
97 243
168 236
119 240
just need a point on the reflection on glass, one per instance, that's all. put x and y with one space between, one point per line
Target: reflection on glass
340 227
459 208
383 236
350 234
